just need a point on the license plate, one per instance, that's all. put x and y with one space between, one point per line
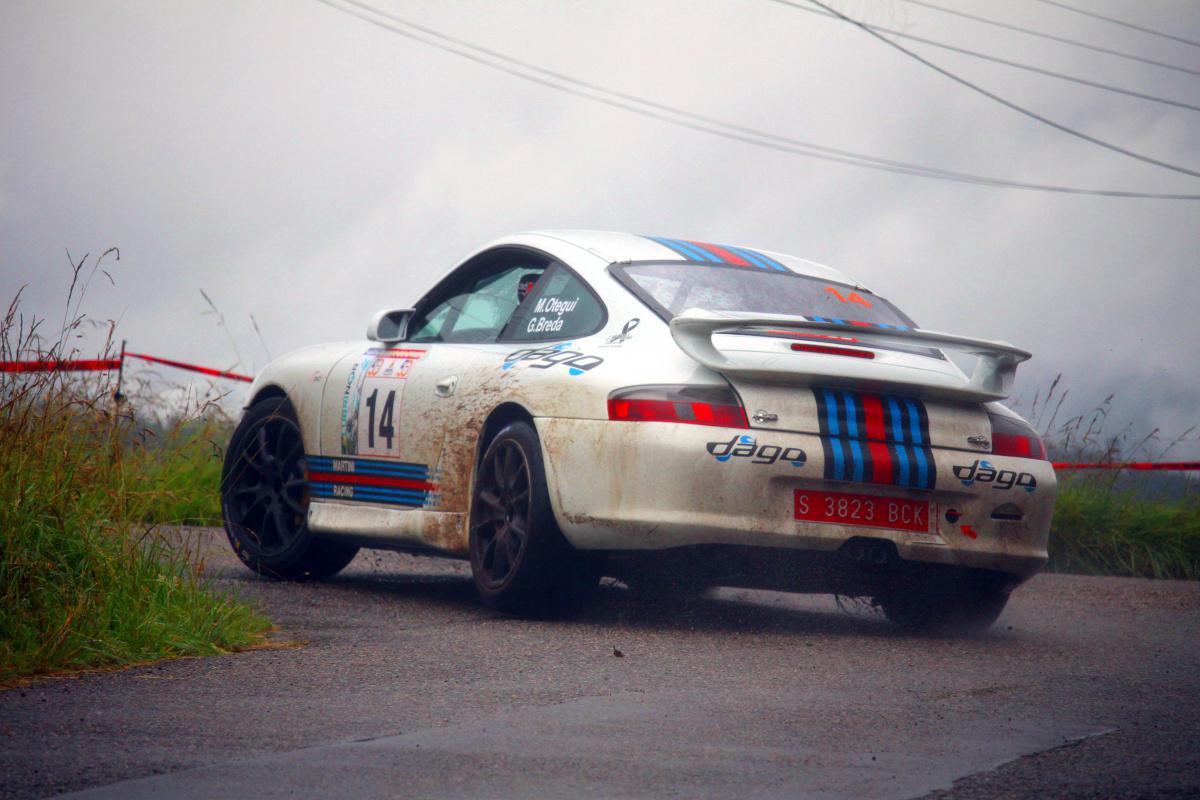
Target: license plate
841 508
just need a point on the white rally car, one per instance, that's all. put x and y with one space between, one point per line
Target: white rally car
677 414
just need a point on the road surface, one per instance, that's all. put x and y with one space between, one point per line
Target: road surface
406 687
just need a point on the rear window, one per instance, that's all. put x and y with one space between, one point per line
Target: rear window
673 288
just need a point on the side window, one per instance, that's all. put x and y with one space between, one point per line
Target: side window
480 310
429 329
560 306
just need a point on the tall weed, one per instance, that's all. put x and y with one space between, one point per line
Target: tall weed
85 578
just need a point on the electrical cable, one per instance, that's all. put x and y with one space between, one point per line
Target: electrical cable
1120 22
1003 61
1042 35
700 123
1008 103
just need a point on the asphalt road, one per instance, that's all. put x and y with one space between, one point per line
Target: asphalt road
406 687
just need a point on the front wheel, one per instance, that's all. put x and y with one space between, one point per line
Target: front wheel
264 498
519 559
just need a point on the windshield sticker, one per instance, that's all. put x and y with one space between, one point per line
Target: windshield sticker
374 387
548 314
854 297
747 447
705 253
372 481
546 357
618 339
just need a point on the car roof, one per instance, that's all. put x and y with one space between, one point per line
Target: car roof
614 247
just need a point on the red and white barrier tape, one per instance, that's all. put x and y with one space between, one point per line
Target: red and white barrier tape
105 364
61 365
1138 465
216 373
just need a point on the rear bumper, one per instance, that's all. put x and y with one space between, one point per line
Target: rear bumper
655 486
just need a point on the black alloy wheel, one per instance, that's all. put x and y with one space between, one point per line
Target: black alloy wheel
264 498
520 560
268 497
504 510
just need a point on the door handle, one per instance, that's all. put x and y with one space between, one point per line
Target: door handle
446 386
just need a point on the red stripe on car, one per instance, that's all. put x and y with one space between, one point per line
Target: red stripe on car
721 252
359 479
881 462
873 409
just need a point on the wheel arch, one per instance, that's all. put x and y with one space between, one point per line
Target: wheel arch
503 414
268 391
308 423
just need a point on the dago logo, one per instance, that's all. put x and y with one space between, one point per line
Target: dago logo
747 447
984 472
546 357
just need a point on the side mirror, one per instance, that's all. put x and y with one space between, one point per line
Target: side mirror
389 325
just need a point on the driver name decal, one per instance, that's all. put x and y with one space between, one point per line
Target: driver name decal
549 313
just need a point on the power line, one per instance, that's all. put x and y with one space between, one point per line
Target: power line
1042 35
692 121
1003 61
1008 103
1120 22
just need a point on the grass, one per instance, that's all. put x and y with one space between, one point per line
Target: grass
180 468
1141 524
86 579
1100 530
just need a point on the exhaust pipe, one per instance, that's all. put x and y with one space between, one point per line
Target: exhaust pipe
871 554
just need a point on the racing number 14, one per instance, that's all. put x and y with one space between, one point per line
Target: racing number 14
387 429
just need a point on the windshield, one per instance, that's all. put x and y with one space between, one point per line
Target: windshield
673 288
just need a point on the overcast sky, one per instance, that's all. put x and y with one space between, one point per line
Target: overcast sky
303 166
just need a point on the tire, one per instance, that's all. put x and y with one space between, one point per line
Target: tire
969 604
520 560
264 498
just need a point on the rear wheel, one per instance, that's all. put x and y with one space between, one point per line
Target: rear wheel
519 559
264 498
965 605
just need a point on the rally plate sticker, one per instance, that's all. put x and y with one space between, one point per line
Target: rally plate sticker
868 511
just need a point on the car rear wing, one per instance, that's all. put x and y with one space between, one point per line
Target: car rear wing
992 378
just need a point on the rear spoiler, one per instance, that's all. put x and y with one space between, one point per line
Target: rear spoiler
992 378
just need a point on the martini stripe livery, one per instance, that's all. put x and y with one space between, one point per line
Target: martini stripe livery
871 438
705 253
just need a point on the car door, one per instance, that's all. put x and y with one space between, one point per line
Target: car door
360 456
452 387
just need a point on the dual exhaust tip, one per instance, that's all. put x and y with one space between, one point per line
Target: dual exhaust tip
871 553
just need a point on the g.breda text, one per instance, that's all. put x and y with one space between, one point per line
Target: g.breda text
550 305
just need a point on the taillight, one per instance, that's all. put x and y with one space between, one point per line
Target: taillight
1011 437
694 405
